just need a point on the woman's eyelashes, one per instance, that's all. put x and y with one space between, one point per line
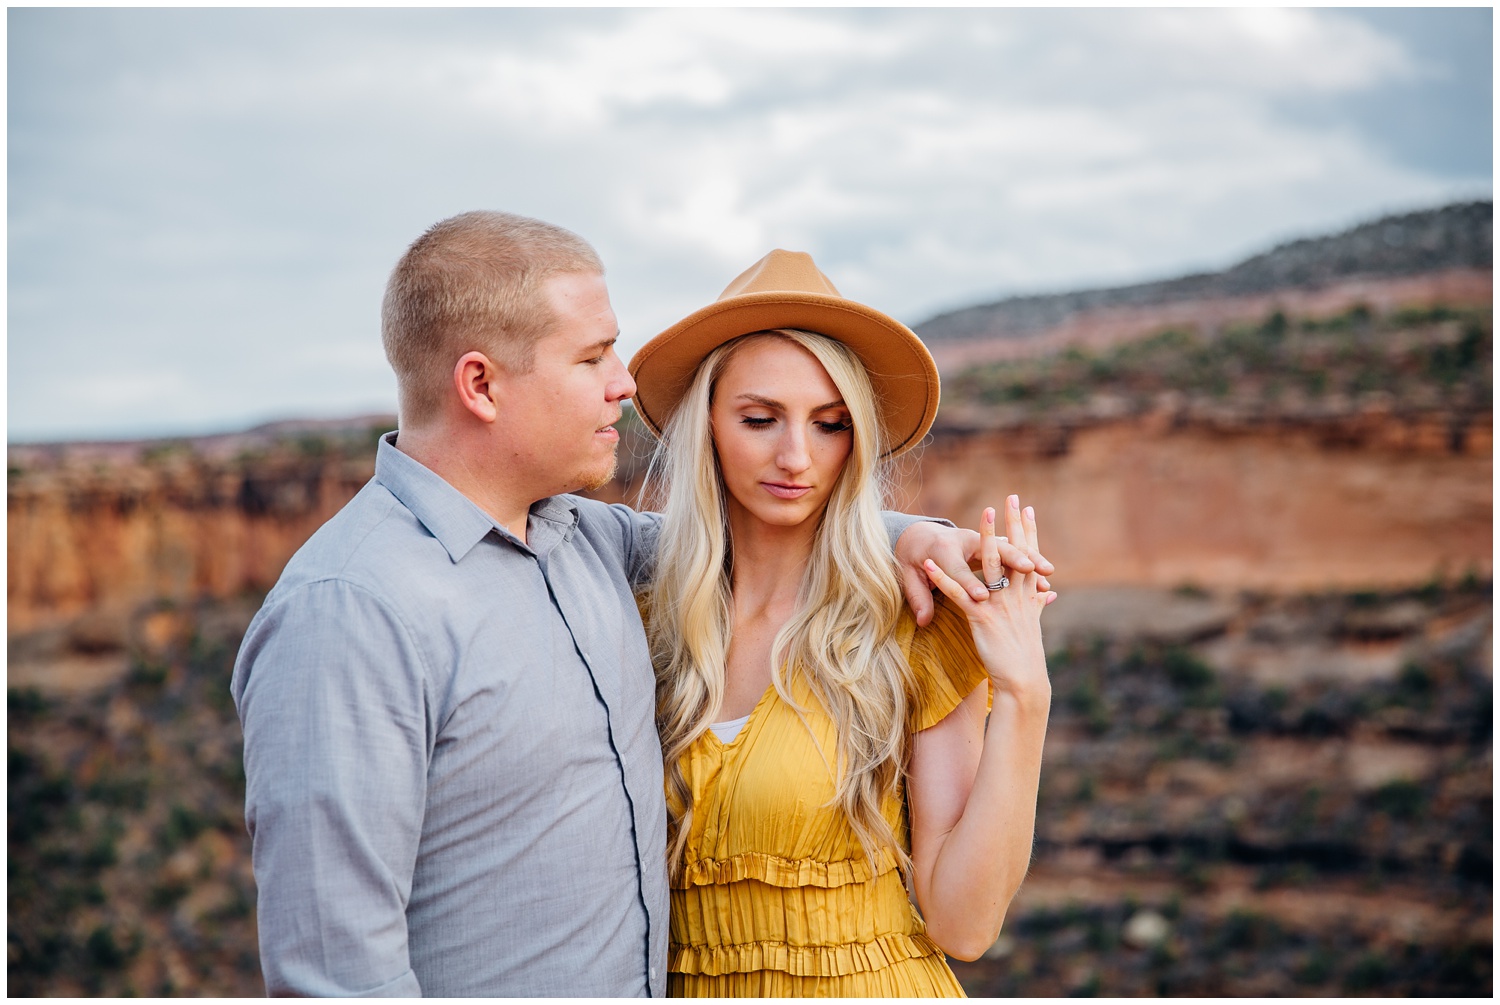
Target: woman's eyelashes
830 426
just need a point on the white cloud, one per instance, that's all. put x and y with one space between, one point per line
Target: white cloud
257 183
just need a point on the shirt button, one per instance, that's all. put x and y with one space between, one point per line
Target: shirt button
653 973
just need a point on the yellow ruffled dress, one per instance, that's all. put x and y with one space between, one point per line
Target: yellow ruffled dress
776 897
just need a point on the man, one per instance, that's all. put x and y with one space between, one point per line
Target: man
453 780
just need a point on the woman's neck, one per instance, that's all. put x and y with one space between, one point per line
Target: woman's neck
768 562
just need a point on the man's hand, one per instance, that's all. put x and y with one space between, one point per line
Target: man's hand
952 548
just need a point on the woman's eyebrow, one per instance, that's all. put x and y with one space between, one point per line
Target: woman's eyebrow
761 400
773 403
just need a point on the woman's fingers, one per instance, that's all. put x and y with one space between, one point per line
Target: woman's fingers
1028 524
989 548
946 583
1033 549
1013 528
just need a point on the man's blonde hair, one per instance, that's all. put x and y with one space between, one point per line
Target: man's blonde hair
472 283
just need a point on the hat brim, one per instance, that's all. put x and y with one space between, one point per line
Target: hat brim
901 369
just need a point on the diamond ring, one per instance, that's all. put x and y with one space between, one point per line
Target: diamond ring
1002 584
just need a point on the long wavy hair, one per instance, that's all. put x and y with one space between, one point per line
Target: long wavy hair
841 638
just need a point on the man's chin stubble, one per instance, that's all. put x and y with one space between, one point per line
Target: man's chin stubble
608 476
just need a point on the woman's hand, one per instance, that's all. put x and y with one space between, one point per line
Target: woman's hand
953 549
1007 623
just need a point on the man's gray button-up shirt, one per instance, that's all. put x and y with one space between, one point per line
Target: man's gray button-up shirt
453 779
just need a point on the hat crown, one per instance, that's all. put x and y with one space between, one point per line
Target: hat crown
781 272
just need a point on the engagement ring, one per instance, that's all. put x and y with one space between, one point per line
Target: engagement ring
1002 584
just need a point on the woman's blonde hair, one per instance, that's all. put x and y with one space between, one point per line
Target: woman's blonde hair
841 638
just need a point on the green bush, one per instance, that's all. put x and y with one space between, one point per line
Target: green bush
1400 799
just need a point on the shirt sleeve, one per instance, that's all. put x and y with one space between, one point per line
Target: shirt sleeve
331 695
636 535
896 523
945 666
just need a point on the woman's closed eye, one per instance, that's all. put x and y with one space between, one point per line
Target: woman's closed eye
830 426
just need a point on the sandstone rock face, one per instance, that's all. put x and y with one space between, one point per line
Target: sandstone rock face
1279 508
105 540
1144 501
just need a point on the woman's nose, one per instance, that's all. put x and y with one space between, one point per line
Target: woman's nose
793 456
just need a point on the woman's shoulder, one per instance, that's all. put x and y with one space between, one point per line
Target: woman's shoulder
944 662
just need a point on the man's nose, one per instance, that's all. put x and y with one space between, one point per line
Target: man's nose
621 384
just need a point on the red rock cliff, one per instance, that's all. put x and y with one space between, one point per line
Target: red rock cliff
1370 502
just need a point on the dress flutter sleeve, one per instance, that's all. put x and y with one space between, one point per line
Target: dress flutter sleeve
945 665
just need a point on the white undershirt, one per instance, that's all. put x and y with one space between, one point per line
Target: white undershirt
727 731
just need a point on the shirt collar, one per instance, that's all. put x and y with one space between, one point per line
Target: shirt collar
449 515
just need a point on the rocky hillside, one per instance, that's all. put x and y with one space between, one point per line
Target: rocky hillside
1243 794
1456 237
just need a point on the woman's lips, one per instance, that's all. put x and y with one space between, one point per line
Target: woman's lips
784 490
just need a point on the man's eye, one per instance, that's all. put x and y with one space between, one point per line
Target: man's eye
594 362
757 421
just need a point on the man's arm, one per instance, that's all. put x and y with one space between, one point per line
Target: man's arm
640 533
637 535
915 539
330 692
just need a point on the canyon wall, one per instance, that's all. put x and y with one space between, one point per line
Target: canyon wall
105 539
1372 501
1377 502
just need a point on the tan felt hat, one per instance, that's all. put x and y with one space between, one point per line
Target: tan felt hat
786 290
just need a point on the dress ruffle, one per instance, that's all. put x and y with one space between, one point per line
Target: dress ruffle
801 961
783 872
945 665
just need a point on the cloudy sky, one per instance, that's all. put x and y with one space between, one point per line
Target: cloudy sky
204 204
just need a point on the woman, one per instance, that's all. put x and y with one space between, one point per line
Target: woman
819 747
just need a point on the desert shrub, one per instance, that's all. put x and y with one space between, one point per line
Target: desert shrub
1401 799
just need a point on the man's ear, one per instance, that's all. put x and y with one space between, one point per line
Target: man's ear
475 376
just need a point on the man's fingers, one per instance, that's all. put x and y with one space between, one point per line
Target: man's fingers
972 546
968 582
918 594
1015 558
952 590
